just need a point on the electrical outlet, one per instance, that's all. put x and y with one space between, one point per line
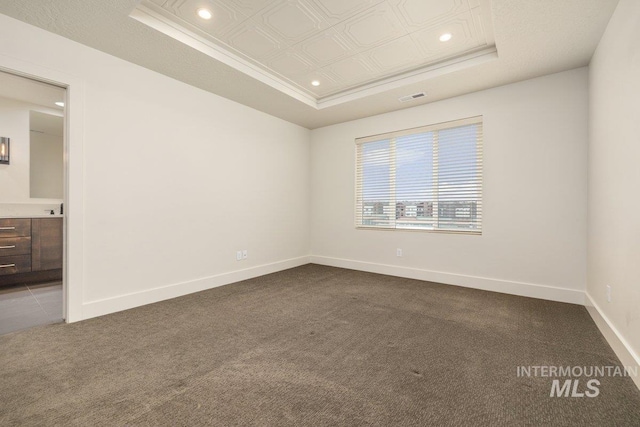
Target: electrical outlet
398 252
608 293
245 254
238 255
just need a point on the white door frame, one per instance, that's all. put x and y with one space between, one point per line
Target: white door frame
73 254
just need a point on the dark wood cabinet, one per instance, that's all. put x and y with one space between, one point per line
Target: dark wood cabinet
15 227
46 244
15 246
15 264
11 246
30 250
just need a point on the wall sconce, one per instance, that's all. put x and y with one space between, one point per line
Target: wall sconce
4 151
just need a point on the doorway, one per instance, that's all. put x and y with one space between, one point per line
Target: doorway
32 182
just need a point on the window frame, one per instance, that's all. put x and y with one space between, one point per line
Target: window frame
392 136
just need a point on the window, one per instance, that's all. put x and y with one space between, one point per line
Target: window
428 178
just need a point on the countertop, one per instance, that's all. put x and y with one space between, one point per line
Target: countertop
30 216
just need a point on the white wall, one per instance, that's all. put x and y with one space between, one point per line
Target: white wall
46 166
173 179
535 194
614 174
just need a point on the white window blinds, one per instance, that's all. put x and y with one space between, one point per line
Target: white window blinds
427 178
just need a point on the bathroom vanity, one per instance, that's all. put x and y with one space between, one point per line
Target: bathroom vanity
30 250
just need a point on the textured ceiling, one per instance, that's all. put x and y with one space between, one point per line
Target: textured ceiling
533 38
339 44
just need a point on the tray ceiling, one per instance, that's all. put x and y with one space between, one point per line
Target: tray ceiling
349 48
534 38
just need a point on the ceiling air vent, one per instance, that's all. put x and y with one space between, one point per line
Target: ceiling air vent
412 97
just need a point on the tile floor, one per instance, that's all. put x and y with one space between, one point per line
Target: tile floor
25 306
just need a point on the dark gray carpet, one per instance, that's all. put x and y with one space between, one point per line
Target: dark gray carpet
313 346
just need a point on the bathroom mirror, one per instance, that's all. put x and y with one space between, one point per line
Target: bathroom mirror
46 166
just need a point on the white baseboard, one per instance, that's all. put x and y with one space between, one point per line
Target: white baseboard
615 339
496 285
124 302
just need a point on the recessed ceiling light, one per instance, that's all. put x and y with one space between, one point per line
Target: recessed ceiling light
446 37
60 104
315 83
204 13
